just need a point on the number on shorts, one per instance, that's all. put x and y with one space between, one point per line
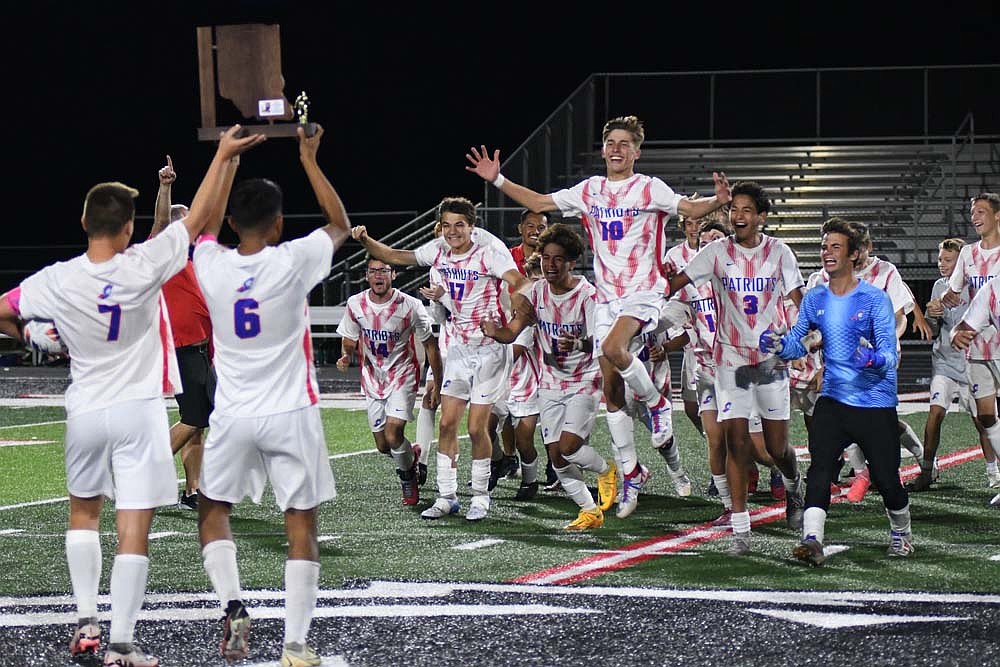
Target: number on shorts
614 230
379 350
116 319
750 304
457 291
246 322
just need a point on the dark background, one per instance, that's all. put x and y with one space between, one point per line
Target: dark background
101 91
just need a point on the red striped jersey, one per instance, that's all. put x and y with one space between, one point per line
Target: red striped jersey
524 372
558 315
975 268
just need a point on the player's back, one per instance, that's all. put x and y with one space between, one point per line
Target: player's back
260 323
111 318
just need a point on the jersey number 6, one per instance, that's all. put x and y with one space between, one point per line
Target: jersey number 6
247 322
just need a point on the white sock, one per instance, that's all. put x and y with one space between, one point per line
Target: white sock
623 440
301 588
219 557
480 477
909 440
83 555
128 588
574 486
403 455
447 477
425 433
814 523
856 458
993 433
722 485
637 378
741 522
588 459
991 466
899 520
529 472
671 453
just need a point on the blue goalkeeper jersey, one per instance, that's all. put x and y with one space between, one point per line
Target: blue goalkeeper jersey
865 312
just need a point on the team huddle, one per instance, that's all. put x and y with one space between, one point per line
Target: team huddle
524 343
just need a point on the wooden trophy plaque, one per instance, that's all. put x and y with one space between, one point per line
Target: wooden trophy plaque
242 63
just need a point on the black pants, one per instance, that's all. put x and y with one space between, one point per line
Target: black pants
198 378
876 430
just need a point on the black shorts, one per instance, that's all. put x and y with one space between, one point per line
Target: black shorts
198 378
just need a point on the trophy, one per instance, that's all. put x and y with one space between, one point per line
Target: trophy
242 64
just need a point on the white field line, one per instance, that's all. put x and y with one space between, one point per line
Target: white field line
22 443
60 421
480 544
48 501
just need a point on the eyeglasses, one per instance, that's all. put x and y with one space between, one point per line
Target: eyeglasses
374 272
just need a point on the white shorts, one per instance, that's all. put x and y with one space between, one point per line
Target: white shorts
706 393
479 374
573 413
983 381
643 306
689 381
741 393
122 452
399 404
289 449
945 390
525 408
803 398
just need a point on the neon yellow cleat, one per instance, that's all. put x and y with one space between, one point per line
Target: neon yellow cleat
587 519
607 487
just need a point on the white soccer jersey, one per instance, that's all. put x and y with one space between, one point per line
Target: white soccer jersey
524 372
678 257
701 302
472 282
881 274
750 286
983 311
946 360
556 315
624 223
386 335
976 267
260 322
113 320
660 370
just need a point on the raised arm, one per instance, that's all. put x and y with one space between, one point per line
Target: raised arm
218 214
699 208
337 224
161 212
214 188
489 170
381 251
10 320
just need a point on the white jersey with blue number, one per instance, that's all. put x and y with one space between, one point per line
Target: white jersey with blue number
260 322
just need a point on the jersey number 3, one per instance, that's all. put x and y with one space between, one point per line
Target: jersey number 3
246 321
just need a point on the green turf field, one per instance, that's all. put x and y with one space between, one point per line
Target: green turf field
368 534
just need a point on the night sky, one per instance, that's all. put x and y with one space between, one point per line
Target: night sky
101 91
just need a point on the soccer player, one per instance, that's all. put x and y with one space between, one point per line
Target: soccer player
107 308
266 424
948 380
977 265
474 263
751 274
531 225
858 400
562 309
192 328
385 323
623 214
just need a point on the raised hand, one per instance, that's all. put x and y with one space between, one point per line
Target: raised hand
770 341
486 168
167 174
722 190
232 144
308 146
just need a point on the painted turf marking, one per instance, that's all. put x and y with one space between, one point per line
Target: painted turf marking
60 421
834 621
996 557
22 443
11 531
638 552
479 544
334 661
33 503
834 549
165 533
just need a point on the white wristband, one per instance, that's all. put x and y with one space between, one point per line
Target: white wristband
498 181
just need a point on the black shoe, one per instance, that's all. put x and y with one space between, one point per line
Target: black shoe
502 468
421 473
550 474
188 501
526 491
712 491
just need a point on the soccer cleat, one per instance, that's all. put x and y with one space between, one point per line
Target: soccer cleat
188 501
712 491
441 507
900 544
921 482
753 477
502 469
526 491
411 489
993 479
995 502
660 425
478 508
554 487
586 520
810 550
682 483
859 487
421 474
87 638
777 485
128 655
607 487
299 655
235 632
724 519
795 505
740 546
630 490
